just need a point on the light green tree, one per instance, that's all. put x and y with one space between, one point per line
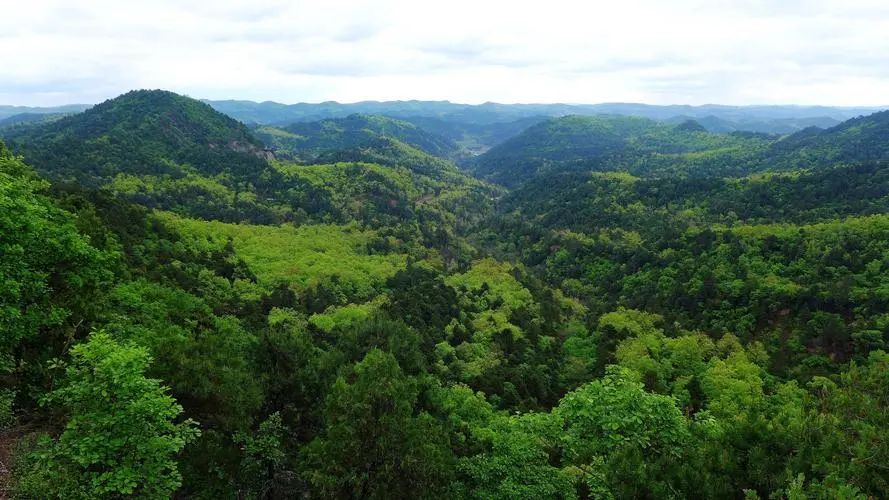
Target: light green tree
122 434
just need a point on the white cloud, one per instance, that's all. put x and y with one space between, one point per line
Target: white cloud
683 51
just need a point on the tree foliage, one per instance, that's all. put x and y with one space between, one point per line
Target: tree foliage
122 433
649 311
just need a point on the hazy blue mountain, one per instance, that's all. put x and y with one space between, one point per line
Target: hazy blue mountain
774 126
7 111
769 119
26 119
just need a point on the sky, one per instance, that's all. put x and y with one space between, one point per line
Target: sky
659 52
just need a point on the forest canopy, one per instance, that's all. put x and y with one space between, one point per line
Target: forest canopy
358 307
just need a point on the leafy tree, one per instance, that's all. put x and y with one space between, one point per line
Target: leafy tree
296 373
620 438
517 463
421 299
850 444
264 468
122 434
206 359
51 277
374 444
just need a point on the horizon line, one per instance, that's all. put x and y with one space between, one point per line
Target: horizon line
457 103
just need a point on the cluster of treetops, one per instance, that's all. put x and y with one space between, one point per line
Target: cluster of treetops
598 307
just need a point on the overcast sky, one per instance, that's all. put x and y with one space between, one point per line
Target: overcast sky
660 52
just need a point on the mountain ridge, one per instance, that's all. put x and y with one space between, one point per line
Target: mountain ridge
142 130
309 140
645 147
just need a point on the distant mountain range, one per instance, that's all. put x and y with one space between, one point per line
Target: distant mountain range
477 128
8 111
646 147
309 140
273 112
462 122
168 151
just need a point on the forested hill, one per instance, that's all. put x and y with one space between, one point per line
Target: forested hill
148 132
307 141
646 148
641 309
616 143
717 118
861 139
167 151
25 119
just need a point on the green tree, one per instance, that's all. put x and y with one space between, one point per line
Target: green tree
49 273
620 438
375 444
421 299
122 434
517 464
848 425
264 466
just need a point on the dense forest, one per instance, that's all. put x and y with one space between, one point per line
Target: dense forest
599 306
473 120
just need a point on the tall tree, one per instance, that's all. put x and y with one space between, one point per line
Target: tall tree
122 434
375 444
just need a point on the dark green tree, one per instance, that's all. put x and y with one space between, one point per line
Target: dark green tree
376 444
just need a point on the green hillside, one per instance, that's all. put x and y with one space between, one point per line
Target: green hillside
861 139
306 141
614 143
159 149
148 132
171 152
651 149
637 309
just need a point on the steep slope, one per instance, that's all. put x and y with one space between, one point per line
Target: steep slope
861 139
306 141
159 149
615 143
141 132
27 119
384 181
